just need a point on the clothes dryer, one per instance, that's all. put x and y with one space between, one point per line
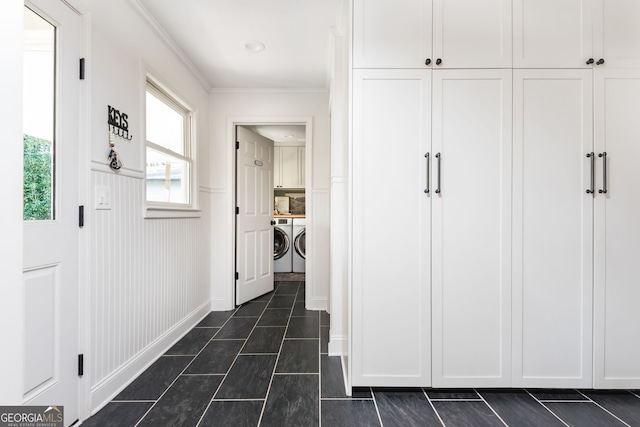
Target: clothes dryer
283 245
299 245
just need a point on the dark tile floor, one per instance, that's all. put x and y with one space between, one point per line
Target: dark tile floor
266 364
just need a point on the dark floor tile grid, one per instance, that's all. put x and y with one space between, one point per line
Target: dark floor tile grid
266 363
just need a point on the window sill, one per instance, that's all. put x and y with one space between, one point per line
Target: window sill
153 212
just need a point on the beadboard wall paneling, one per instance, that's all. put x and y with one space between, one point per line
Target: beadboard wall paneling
147 275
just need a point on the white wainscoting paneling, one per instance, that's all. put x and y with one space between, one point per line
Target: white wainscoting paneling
148 277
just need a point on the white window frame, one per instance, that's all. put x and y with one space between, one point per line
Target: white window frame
155 209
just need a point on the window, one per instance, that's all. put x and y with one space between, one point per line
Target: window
38 118
169 163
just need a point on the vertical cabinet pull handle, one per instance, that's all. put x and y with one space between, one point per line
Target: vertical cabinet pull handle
438 174
592 180
426 190
604 172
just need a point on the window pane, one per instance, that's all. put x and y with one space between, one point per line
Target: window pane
38 117
167 178
165 126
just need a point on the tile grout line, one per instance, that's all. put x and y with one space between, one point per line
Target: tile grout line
546 407
375 405
181 372
234 360
604 409
432 406
275 365
490 407
319 369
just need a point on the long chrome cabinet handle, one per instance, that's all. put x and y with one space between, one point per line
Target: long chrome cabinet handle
426 190
592 156
438 174
604 172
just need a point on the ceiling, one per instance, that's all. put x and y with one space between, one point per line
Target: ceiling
282 133
213 35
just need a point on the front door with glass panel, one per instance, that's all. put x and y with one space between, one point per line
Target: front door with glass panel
52 37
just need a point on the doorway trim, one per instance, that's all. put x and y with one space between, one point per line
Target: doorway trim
306 121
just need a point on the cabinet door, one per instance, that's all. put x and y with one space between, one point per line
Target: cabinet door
553 223
472 33
552 33
390 344
617 33
277 167
471 253
391 34
289 166
617 230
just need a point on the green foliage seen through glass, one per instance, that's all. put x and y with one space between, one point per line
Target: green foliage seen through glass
38 172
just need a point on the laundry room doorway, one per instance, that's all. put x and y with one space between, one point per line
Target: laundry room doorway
270 187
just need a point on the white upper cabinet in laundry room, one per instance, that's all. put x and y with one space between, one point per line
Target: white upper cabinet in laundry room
617 33
617 229
391 315
552 34
471 226
391 34
472 34
552 228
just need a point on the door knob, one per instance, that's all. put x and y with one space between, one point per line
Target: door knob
590 61
428 61
600 61
273 222
438 61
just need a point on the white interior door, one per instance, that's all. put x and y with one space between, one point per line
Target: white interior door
471 245
553 228
254 199
51 233
617 230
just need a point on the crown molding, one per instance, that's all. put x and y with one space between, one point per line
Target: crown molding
164 36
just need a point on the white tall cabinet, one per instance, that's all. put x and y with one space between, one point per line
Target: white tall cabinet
391 236
495 239
552 228
617 229
471 227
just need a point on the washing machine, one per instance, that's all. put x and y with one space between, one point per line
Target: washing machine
283 245
299 244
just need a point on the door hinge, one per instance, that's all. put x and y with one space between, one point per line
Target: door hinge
237 144
237 275
80 365
81 68
81 216
237 210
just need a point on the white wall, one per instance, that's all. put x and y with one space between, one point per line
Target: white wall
226 105
11 296
148 278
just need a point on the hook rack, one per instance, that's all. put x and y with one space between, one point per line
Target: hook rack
118 123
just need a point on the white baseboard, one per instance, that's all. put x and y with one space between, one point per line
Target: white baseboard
337 345
317 304
221 305
108 388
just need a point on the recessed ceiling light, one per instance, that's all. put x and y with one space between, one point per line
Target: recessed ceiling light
254 46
